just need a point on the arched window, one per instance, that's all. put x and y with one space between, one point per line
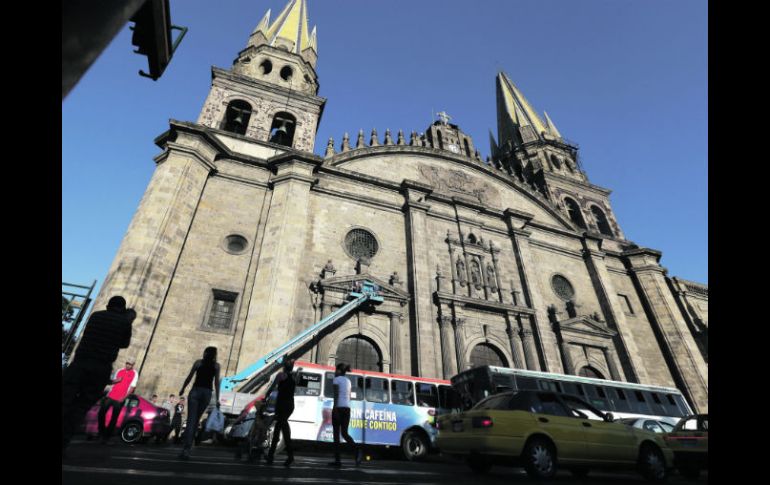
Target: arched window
574 212
360 353
282 129
588 371
237 117
569 166
472 238
601 221
467 148
486 354
556 163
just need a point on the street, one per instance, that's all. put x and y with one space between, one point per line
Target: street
89 462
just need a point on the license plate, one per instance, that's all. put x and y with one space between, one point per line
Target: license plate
457 426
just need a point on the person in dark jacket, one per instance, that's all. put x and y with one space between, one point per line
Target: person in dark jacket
284 406
206 372
84 380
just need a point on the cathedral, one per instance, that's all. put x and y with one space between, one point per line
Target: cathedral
244 237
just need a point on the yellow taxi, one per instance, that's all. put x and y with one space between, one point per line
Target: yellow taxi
542 431
690 442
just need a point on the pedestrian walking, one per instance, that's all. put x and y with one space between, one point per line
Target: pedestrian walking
284 406
123 384
83 381
206 372
176 421
341 414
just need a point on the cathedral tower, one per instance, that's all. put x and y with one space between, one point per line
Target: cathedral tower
269 95
533 149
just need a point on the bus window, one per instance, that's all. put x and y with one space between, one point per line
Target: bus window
308 384
596 396
569 388
356 387
427 395
547 385
670 405
580 391
448 398
502 383
657 405
328 387
639 405
376 389
402 392
684 409
619 399
526 383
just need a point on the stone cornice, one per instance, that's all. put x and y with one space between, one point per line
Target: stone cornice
643 251
488 305
556 249
649 268
357 199
415 185
579 185
217 72
295 156
186 150
293 176
484 169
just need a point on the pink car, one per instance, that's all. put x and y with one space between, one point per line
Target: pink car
139 418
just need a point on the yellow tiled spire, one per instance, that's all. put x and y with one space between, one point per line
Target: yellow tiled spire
291 25
518 107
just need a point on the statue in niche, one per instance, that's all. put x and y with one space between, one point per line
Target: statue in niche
476 274
571 309
597 317
461 271
362 265
491 280
328 270
394 279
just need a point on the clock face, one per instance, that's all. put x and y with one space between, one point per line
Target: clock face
453 148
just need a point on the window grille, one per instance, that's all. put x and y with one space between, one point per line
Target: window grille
222 309
361 244
562 287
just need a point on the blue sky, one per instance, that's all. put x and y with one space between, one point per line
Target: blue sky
625 79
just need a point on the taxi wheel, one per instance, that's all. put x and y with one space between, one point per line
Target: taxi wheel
479 464
414 446
652 465
539 459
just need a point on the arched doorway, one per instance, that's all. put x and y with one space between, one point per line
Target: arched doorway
486 354
588 371
360 353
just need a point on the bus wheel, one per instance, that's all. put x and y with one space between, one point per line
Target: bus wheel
414 446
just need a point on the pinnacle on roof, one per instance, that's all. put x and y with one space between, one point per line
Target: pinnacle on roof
291 25
517 106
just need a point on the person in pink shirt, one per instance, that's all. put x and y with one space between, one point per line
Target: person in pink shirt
123 385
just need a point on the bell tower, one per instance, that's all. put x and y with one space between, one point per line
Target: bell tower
270 94
532 149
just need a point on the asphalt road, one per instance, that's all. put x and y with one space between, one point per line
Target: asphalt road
90 463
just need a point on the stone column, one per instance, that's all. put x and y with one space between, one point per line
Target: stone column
633 365
569 365
531 290
270 321
447 351
682 355
516 349
460 344
530 353
144 266
395 342
610 358
425 360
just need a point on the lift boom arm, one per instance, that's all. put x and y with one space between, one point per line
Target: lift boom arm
255 375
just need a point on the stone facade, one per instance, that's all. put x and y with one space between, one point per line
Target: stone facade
469 253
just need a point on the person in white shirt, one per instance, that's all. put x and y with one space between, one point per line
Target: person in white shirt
341 414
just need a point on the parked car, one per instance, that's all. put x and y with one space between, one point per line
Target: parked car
653 425
690 442
542 431
138 419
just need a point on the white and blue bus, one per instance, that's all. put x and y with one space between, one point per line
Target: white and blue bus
385 409
622 399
